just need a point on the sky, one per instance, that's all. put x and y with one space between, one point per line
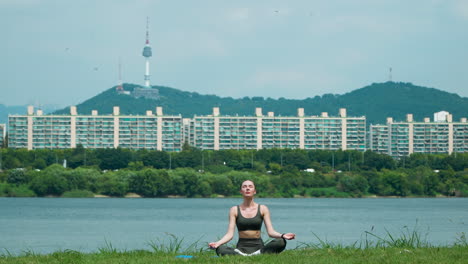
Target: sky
64 52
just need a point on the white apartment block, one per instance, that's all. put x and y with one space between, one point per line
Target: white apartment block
2 134
150 131
219 132
399 139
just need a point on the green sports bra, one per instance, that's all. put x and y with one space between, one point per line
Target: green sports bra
253 223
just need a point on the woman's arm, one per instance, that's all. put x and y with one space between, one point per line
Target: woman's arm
230 231
269 226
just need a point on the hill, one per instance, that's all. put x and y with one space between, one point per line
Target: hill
5 110
376 101
21 110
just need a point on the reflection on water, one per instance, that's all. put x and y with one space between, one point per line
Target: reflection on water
45 225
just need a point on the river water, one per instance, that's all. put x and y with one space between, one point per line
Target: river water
44 225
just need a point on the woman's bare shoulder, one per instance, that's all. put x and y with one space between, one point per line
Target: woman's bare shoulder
264 209
233 210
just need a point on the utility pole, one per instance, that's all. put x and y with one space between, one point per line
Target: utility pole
349 161
203 161
333 161
252 159
170 161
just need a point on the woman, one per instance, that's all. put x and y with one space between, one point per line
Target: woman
248 218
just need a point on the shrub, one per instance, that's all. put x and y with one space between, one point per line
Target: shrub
78 194
20 191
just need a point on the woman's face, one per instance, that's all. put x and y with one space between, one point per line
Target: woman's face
248 188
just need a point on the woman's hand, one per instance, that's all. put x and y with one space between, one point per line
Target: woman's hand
289 236
213 245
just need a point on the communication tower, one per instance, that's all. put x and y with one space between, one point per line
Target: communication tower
146 91
120 84
147 54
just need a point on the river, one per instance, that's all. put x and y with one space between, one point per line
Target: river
44 225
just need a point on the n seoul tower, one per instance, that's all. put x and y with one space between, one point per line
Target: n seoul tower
147 54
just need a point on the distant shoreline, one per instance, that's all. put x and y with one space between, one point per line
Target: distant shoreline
134 195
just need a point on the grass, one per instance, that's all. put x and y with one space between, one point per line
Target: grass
324 255
78 194
408 247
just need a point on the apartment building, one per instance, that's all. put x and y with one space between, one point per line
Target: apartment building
216 132
2 134
150 131
269 131
399 139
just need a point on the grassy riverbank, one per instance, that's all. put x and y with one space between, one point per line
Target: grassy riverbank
409 246
456 254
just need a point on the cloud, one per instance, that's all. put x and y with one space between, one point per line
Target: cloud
274 77
19 3
238 14
184 45
461 9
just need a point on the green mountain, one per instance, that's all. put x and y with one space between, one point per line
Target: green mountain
377 102
6 110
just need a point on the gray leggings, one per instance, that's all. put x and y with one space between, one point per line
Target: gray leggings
250 245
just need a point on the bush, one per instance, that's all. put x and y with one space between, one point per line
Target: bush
20 191
17 176
4 189
355 184
49 184
326 192
78 194
110 184
150 183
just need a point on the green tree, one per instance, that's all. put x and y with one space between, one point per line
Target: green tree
430 183
378 161
39 164
50 181
221 184
77 157
297 158
136 165
17 176
11 162
204 189
156 159
191 180
82 179
275 168
113 159
395 183
110 184
178 185
151 183
355 184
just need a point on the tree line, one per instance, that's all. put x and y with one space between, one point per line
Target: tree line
201 173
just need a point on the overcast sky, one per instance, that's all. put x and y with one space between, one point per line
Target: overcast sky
64 52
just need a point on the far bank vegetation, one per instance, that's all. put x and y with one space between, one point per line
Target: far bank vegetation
196 173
